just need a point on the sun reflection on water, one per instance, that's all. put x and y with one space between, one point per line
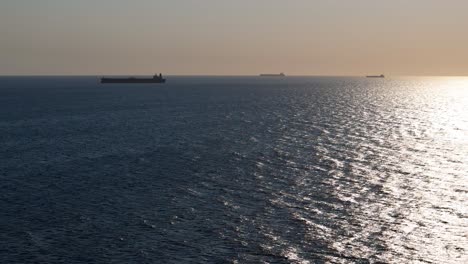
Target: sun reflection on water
431 195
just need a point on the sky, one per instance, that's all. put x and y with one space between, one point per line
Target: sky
242 37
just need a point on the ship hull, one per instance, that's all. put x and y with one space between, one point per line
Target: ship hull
272 75
131 80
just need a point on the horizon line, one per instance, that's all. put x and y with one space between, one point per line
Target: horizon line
217 75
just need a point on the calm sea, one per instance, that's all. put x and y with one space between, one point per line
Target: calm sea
234 170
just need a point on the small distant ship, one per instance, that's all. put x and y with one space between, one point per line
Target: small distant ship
155 79
376 76
272 75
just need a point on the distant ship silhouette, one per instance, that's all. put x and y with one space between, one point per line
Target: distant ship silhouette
272 75
376 76
156 79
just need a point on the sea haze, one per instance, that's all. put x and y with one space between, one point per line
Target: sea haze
234 169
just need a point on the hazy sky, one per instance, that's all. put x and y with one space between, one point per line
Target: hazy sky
303 37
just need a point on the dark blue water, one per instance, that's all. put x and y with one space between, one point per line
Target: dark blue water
234 170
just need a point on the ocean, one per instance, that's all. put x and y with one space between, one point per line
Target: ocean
234 170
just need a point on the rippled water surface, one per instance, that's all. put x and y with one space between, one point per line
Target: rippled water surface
234 170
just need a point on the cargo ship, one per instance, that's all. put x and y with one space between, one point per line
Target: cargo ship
376 76
272 75
155 79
